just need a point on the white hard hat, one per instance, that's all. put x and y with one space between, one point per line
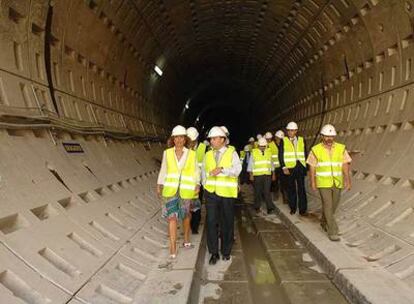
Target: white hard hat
192 133
259 136
280 134
251 139
246 148
268 135
328 130
216 132
262 142
179 131
292 126
225 130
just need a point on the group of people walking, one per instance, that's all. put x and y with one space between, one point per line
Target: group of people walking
192 171
283 162
186 168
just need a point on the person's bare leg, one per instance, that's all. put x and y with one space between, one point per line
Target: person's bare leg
172 227
186 224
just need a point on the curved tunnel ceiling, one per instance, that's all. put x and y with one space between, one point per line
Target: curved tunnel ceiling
264 47
281 52
271 61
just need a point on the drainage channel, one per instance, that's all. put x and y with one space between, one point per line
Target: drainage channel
268 265
264 284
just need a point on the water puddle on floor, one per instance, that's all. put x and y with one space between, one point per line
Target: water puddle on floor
265 285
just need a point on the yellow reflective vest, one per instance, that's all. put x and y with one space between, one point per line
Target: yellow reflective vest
275 154
329 169
184 181
262 163
291 155
222 185
200 153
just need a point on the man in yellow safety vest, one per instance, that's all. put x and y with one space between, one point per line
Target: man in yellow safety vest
329 173
293 163
220 171
261 174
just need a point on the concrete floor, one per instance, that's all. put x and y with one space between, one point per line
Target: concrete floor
268 265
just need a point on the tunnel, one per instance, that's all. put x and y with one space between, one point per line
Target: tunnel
91 89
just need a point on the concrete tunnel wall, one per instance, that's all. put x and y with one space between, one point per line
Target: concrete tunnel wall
84 72
359 78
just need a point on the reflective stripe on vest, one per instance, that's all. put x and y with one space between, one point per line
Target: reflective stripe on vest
200 153
225 186
329 171
262 164
290 156
186 181
275 154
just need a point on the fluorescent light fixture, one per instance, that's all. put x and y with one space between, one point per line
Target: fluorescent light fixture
158 70
187 106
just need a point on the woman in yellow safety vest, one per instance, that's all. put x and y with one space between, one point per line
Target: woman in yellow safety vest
178 185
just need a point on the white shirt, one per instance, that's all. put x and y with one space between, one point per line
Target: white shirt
233 171
180 164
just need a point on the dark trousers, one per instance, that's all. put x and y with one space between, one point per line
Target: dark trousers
296 189
281 185
195 220
220 214
262 192
244 175
196 215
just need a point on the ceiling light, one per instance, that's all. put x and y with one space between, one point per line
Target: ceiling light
158 70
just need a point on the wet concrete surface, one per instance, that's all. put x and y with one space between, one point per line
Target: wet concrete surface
278 240
293 265
265 285
268 265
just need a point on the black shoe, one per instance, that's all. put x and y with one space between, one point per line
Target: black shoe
292 212
194 231
271 211
214 258
226 257
304 214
